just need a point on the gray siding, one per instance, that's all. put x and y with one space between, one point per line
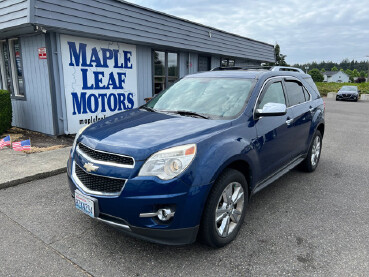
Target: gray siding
183 67
135 24
13 13
245 62
215 61
34 113
144 74
194 63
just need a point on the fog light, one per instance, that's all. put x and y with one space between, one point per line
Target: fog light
164 214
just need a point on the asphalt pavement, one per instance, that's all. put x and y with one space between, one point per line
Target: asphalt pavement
304 224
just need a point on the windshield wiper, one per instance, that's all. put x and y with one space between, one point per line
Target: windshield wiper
189 113
148 109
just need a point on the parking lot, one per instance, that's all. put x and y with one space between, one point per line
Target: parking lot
303 224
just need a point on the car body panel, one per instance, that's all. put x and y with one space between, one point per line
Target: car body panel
265 144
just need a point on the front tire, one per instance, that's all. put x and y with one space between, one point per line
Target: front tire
225 209
312 159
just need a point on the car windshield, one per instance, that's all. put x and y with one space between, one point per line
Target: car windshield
348 88
212 97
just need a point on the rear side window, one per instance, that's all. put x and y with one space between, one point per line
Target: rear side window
273 94
296 93
312 84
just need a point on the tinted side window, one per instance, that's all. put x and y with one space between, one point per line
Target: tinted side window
295 92
312 84
273 94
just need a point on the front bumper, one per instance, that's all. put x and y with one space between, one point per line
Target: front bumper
162 236
145 195
349 97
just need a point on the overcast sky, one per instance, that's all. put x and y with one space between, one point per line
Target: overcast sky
307 31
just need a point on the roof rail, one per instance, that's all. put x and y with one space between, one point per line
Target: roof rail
287 68
226 68
256 67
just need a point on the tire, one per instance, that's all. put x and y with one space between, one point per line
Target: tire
230 213
310 163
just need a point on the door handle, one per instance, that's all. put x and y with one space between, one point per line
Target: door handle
289 121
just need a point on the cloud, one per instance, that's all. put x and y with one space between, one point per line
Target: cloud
306 30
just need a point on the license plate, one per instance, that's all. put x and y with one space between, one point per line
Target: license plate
84 203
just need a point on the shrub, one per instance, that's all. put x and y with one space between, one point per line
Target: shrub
316 75
5 111
360 80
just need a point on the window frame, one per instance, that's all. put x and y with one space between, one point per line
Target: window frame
3 83
227 59
166 76
14 84
265 89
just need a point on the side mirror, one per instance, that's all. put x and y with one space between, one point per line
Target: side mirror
272 109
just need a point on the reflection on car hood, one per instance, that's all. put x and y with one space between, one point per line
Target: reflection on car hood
347 92
140 133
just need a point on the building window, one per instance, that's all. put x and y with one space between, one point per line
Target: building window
11 67
165 70
225 62
204 63
5 67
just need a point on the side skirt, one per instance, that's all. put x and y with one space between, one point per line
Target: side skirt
278 174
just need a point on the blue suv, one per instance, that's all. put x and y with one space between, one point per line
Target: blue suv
186 164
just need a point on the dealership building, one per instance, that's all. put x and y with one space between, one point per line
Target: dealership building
68 63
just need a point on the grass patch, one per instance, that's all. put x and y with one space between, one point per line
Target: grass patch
324 88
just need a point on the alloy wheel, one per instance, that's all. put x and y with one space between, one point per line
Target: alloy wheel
229 209
315 151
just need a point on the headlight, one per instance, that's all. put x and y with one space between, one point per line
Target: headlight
169 163
77 136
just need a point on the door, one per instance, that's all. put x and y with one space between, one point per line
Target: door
274 140
204 63
301 107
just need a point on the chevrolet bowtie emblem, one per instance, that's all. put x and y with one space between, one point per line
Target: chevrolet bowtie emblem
90 167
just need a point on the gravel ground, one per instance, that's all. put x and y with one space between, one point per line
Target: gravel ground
302 225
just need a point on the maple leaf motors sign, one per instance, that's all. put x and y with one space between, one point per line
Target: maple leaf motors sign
100 79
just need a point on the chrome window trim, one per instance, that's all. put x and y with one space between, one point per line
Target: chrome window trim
279 77
93 192
87 157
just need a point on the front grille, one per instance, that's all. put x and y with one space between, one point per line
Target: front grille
99 183
106 157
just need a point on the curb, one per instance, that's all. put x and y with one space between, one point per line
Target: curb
27 179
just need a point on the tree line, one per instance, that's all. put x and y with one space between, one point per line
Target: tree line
346 64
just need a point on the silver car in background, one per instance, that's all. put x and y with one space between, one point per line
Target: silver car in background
348 93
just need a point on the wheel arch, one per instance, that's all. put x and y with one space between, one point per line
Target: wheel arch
320 128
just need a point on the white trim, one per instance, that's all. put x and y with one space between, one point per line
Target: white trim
13 66
3 82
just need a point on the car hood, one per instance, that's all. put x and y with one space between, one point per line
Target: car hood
347 92
140 133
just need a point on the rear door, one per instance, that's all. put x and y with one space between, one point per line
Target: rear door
301 107
274 135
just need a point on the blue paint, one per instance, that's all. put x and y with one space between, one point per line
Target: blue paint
266 144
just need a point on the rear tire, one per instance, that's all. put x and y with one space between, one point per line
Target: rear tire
225 209
312 159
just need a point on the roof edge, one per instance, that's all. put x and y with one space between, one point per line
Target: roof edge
192 22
